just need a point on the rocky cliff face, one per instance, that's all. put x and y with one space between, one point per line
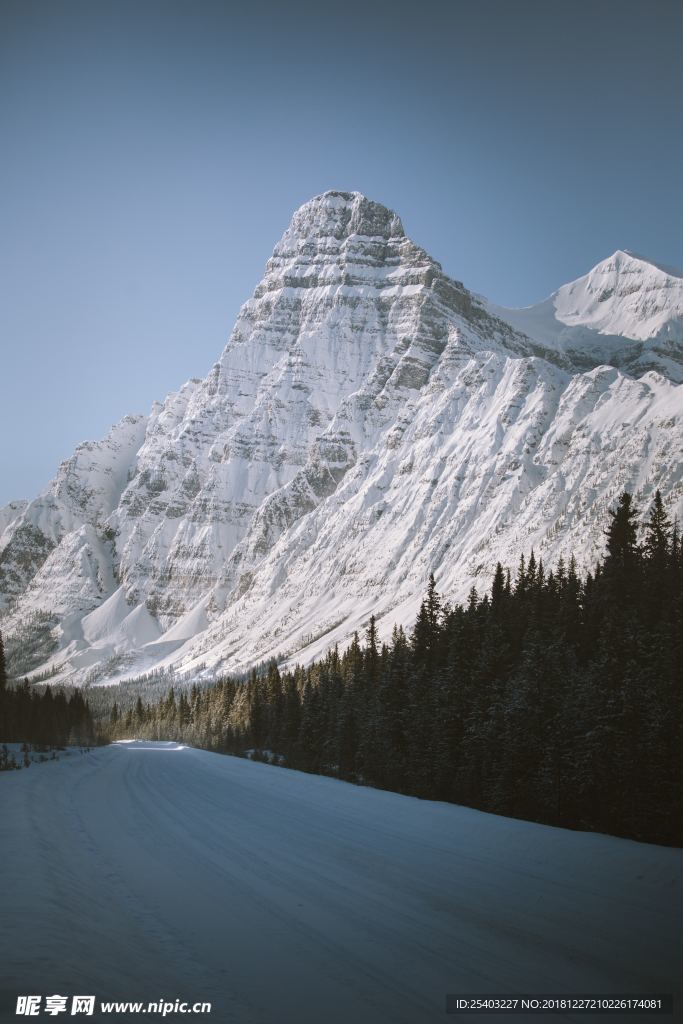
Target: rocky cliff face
370 420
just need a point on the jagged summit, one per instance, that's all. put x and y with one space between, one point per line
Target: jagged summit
340 240
341 215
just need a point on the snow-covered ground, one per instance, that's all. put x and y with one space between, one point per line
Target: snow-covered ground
151 870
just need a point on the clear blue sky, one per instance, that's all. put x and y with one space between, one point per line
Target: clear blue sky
153 153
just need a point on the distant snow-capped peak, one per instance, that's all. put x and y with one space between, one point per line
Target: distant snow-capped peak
627 311
625 294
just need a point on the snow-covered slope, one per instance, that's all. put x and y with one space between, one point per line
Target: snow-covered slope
147 871
628 311
370 420
73 510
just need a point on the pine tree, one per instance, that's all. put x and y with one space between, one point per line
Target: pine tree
371 651
3 669
520 582
139 713
658 532
433 604
498 587
622 547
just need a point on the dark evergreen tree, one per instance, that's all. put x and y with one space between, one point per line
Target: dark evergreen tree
658 532
3 669
622 546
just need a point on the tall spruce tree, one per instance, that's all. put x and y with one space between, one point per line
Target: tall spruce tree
658 532
622 545
3 668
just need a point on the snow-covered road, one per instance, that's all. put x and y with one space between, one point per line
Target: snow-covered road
149 871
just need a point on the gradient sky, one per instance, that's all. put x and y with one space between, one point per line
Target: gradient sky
153 153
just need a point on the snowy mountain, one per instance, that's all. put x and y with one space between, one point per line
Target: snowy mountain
628 311
370 420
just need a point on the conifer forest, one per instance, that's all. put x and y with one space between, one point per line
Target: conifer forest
555 697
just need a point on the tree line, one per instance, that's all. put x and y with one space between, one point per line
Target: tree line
552 698
42 717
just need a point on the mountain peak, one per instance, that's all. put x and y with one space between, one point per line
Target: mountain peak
626 294
627 311
339 215
628 259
